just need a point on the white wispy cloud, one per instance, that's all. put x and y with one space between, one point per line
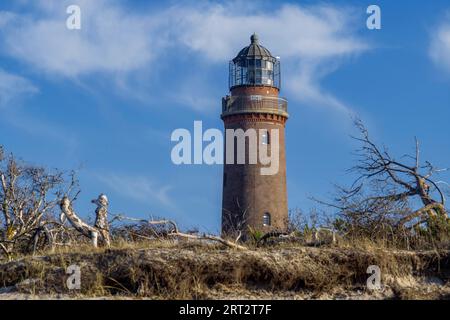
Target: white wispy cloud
320 31
440 44
125 44
312 41
6 18
14 87
110 40
138 188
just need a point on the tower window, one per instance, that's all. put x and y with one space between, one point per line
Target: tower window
265 138
267 220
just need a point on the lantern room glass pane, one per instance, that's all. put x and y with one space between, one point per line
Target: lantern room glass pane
254 72
258 78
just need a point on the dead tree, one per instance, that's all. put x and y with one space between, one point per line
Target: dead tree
29 197
97 233
235 223
398 193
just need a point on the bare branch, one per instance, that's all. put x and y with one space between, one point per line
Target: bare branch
386 192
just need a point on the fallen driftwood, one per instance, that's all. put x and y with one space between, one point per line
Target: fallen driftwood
100 231
176 233
317 237
209 237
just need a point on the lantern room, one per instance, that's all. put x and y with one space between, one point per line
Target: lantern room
255 66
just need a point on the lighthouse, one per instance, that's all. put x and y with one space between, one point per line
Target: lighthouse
252 200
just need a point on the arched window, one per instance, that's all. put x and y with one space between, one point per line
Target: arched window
267 221
265 137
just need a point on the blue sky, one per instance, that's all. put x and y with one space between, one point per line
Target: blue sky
105 99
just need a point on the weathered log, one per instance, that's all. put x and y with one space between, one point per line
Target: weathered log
176 233
101 228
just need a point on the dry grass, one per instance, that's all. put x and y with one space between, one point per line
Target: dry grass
185 270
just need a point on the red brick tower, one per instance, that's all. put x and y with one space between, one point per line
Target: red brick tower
252 199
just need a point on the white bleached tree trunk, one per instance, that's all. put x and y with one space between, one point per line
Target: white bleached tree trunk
97 233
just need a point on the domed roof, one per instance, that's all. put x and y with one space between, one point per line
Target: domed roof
254 50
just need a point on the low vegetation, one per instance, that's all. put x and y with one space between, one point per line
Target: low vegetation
193 270
393 216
